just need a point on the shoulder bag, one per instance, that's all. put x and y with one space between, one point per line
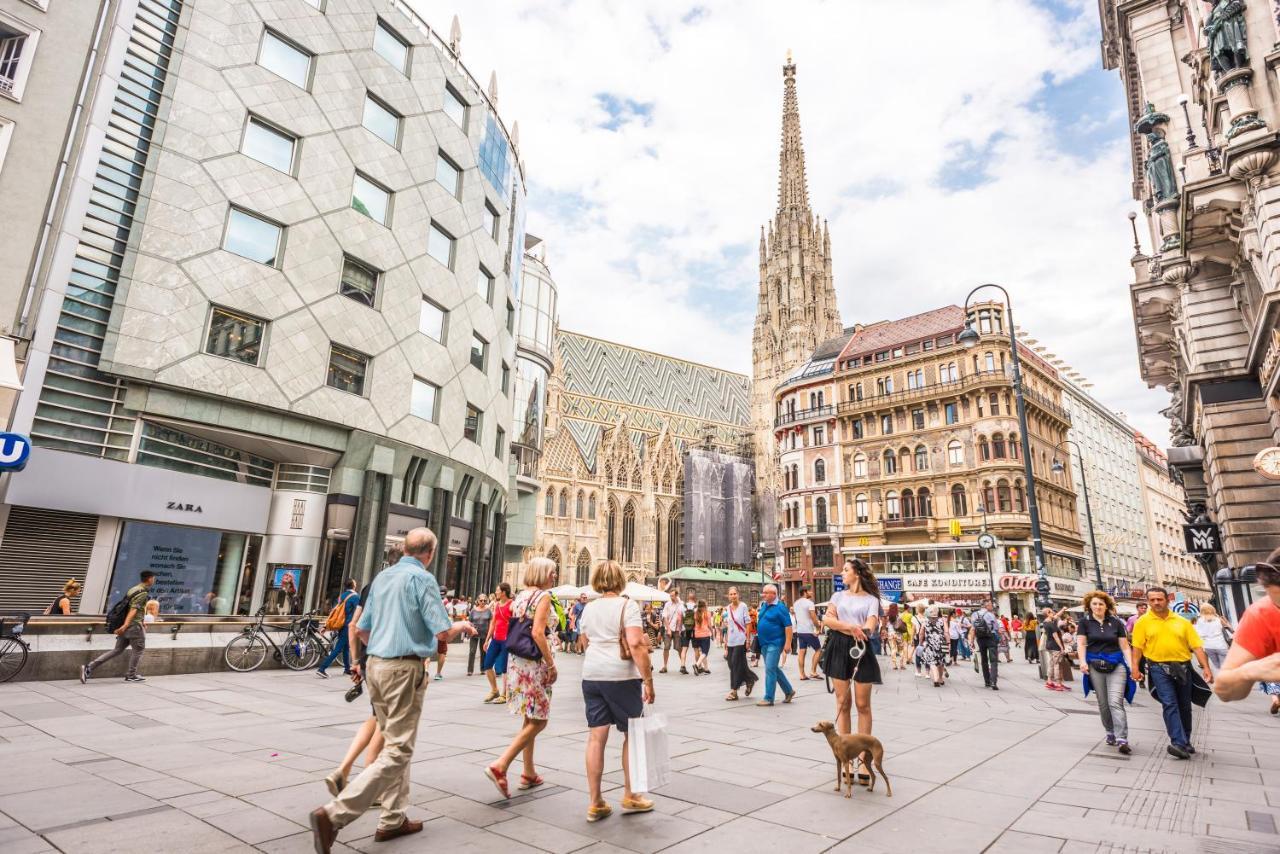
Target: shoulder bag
624 649
520 636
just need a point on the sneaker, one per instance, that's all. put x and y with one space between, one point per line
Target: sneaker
1123 747
335 783
683 670
439 676
322 674
995 687
1188 748
1177 752
84 673
1111 739
134 678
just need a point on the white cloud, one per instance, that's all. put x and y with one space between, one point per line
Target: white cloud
638 219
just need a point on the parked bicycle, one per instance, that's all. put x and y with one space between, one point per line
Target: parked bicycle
13 649
247 650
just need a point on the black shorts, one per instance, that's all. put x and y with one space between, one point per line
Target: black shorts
703 645
612 703
807 640
837 664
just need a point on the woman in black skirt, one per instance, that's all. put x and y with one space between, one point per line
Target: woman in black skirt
852 618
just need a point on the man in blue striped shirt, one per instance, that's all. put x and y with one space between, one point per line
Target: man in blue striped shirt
402 624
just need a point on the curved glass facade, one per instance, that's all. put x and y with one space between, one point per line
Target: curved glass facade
530 403
537 309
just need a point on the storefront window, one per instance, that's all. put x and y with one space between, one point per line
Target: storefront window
198 571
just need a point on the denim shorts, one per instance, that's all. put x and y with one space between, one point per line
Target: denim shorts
495 658
612 702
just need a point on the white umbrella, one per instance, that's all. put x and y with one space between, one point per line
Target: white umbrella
640 593
568 591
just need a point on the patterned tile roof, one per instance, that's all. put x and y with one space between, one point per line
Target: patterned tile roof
890 333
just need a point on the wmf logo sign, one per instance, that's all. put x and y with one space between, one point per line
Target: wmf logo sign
15 449
1201 538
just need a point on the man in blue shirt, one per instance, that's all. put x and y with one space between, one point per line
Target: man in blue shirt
773 627
401 624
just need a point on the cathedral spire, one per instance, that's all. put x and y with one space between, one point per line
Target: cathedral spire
793 188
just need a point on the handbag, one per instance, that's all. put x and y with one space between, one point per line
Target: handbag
624 649
648 753
520 635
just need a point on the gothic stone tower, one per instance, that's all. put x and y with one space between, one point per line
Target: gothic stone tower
797 301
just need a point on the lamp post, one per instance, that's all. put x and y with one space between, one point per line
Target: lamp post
760 565
1058 468
987 542
969 339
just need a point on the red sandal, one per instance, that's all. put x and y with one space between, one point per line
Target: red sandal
498 779
527 782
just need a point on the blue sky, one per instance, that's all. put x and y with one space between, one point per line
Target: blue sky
947 144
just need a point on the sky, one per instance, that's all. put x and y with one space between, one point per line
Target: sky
948 143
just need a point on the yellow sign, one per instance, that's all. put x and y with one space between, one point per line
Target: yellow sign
864 541
955 528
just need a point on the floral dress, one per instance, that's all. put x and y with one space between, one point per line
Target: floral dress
528 682
933 643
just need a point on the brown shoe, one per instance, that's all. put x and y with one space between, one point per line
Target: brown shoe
406 827
323 833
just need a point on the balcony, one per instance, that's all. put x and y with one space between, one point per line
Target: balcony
908 522
801 416
964 384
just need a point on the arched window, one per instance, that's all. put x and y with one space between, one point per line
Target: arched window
550 508
577 507
959 506
911 379
554 556
860 465
919 378
1015 447
997 446
1003 497
795 476
564 503
1019 500
860 508
666 482
890 463
984 450
582 572
820 400
991 362
673 538
629 533
891 508
988 497
635 478
924 502
611 532
955 453
786 478
820 471
908 504
922 458
591 506
820 512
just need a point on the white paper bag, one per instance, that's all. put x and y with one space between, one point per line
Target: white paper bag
648 755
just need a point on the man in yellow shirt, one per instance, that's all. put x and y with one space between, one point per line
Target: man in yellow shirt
1167 641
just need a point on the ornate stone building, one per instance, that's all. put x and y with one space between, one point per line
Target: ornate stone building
1164 505
611 470
927 441
1201 89
796 308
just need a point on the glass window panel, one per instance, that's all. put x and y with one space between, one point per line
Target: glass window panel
268 145
370 199
381 121
440 245
479 351
423 400
490 221
284 59
252 237
431 320
484 285
199 571
235 336
347 369
391 47
471 424
499 448
454 107
359 282
449 175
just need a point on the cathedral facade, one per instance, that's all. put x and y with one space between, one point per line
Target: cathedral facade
796 308
612 468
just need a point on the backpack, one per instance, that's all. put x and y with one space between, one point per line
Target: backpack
337 618
982 628
688 619
117 614
900 626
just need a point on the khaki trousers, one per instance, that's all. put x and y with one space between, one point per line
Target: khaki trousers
396 687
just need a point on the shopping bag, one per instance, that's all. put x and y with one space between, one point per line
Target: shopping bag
648 754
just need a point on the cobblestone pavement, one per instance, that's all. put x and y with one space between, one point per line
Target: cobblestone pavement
233 762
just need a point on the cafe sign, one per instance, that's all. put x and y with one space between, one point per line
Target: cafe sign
946 582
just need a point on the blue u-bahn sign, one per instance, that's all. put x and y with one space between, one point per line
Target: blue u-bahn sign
15 449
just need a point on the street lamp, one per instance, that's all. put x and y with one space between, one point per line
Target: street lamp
760 565
1058 468
987 542
969 339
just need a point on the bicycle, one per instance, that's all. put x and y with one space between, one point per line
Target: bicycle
318 645
247 650
13 649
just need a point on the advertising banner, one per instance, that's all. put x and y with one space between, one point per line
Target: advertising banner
185 561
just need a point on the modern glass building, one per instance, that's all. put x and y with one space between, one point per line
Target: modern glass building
276 326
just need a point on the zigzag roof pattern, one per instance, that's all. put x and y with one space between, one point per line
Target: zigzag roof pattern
603 369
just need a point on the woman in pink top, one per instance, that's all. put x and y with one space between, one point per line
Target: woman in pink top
701 637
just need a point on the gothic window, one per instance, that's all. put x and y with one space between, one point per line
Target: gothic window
554 556
582 574
820 471
860 508
891 508
908 504
635 478
997 446
890 463
924 502
577 506
673 538
629 533
564 502
550 508
608 474
922 458
591 507
959 506
955 452
611 530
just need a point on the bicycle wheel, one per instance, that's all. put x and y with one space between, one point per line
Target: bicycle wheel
296 652
320 647
245 652
13 657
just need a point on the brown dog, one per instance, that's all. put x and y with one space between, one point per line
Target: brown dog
847 748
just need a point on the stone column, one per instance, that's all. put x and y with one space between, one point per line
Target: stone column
1244 115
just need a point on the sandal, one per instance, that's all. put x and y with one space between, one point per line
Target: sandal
499 780
732 695
527 782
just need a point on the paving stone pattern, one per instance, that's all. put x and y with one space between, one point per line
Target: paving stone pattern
234 762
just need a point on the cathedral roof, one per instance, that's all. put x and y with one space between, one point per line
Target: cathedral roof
603 369
891 333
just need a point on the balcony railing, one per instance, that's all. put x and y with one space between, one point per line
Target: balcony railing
909 522
817 412
951 387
